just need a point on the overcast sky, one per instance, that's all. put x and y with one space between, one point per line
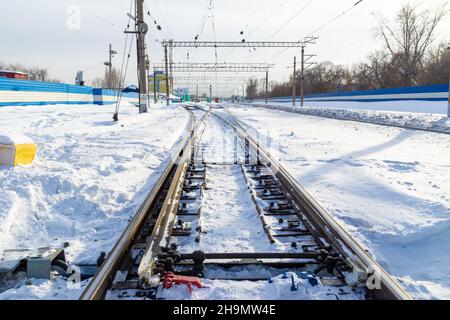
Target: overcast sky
36 33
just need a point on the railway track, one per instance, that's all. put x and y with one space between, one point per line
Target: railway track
377 123
225 215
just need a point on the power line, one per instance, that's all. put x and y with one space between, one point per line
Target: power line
166 21
322 26
252 17
123 73
335 18
290 19
271 15
155 21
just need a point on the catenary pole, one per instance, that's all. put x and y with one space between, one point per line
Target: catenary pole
448 106
294 82
142 30
167 75
302 79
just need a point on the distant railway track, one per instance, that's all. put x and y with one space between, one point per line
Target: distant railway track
155 245
356 120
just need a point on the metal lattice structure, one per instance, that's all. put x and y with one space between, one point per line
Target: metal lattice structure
209 79
238 44
215 67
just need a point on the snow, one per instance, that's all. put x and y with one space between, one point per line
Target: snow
59 289
227 204
88 179
405 106
279 288
226 201
15 139
424 121
388 186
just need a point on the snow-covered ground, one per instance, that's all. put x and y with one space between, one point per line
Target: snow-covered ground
231 224
287 286
409 106
388 186
88 179
425 121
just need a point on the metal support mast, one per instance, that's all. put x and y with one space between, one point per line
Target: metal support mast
294 83
155 97
267 86
109 65
142 30
448 107
302 78
166 57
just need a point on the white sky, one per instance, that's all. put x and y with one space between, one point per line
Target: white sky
35 32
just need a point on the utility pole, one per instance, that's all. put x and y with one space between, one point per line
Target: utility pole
302 79
155 97
171 67
167 75
197 92
448 107
267 86
109 65
294 83
210 93
243 93
142 63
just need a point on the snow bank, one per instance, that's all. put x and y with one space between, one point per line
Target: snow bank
89 177
15 139
421 121
388 186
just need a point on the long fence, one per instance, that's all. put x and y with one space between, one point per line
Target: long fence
425 99
24 93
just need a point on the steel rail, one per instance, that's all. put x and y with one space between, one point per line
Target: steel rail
169 209
393 125
97 287
326 224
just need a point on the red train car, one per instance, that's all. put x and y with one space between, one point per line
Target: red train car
13 75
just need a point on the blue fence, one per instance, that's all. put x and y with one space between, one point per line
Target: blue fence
422 93
23 92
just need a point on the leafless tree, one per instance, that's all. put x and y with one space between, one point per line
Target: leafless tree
252 88
34 73
103 82
437 65
408 40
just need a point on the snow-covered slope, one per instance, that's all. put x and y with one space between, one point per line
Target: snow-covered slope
388 186
88 179
423 121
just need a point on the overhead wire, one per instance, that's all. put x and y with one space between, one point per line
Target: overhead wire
252 17
271 15
320 27
303 8
123 73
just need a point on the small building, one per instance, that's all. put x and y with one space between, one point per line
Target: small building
13 75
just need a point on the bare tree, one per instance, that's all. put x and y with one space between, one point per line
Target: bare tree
34 73
436 66
408 40
103 82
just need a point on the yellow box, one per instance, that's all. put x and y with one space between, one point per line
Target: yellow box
16 150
